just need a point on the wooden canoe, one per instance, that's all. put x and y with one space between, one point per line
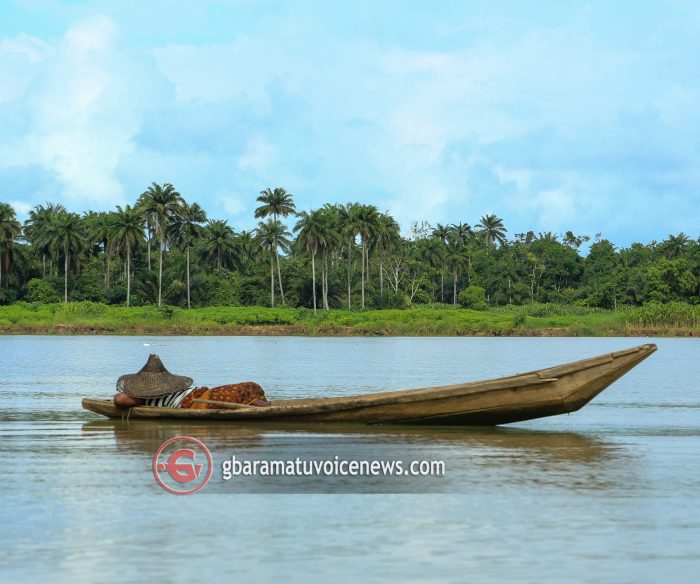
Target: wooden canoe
547 392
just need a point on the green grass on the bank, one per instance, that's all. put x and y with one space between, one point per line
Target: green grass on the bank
671 318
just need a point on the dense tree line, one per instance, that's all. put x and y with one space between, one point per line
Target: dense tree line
164 250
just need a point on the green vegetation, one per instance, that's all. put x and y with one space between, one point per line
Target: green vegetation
536 319
163 265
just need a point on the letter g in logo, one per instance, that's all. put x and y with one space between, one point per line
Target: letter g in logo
176 467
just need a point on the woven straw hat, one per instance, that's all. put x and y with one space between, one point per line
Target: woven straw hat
154 380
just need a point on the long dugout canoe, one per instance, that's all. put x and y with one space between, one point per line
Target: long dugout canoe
546 392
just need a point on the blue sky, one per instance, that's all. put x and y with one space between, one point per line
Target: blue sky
553 115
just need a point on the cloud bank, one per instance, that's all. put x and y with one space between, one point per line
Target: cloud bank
574 118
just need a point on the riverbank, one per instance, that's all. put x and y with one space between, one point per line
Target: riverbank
673 319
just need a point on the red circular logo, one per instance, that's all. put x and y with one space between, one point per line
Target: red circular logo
182 465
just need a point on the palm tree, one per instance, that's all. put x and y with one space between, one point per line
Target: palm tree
271 235
492 230
248 251
186 229
330 246
460 231
349 227
432 252
36 229
67 234
150 226
276 203
218 244
675 246
456 259
312 236
126 233
441 232
164 203
368 219
99 226
387 232
10 228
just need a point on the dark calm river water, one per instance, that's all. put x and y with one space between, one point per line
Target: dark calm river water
608 494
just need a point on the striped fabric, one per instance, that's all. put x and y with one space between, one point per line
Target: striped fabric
172 400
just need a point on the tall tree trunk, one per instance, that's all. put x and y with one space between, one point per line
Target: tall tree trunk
272 281
65 275
106 262
128 274
325 283
43 264
363 273
381 272
148 243
313 279
189 305
442 286
160 267
349 276
454 290
279 276
108 270
0 268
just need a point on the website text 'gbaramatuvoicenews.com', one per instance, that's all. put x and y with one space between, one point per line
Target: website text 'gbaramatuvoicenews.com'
335 467
185 465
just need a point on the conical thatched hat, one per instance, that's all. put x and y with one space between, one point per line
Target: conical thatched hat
154 380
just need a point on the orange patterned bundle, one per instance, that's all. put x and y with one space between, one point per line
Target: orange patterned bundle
239 393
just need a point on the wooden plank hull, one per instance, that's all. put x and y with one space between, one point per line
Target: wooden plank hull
547 392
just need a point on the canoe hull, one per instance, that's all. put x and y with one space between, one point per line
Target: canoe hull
546 392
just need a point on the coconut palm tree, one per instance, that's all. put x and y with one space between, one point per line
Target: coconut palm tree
248 251
10 228
456 259
150 226
273 235
675 246
312 236
36 229
387 232
330 246
349 227
67 234
164 203
432 251
461 232
186 229
441 232
219 244
368 220
126 232
492 230
275 203
99 225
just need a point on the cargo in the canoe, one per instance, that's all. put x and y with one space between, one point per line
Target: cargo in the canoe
547 392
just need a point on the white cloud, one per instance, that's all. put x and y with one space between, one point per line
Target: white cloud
259 153
556 209
21 208
21 58
83 111
232 205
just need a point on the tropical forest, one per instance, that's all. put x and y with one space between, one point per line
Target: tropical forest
162 264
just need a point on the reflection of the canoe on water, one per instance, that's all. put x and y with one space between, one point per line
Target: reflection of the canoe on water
487 458
146 436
